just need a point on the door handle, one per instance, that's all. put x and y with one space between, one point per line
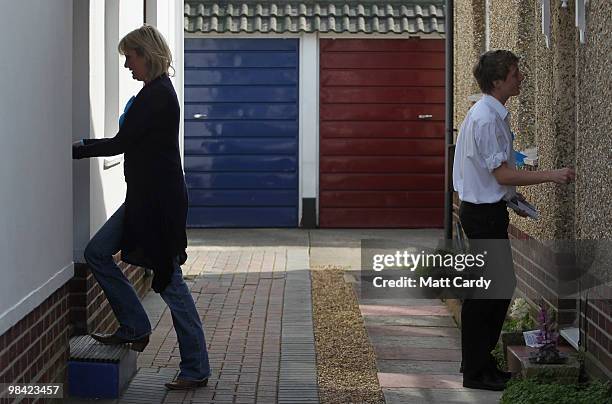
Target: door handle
425 116
199 116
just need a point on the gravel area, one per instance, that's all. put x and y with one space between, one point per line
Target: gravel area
346 363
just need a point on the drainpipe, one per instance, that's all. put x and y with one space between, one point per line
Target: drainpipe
448 128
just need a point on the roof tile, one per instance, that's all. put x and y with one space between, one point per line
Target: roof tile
412 17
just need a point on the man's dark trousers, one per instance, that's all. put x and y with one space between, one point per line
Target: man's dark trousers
482 318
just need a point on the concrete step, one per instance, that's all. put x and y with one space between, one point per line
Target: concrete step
99 371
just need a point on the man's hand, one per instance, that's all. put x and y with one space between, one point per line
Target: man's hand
562 175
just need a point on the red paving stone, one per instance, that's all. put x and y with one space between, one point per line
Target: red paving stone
424 381
411 331
375 310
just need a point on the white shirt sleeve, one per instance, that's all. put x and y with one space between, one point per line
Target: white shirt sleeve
493 154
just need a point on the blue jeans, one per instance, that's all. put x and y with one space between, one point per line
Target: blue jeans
132 318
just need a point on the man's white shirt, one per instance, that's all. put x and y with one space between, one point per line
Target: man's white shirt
484 143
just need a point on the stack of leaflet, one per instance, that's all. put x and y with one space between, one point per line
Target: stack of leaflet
522 206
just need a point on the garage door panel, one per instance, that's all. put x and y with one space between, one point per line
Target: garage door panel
241 132
242 94
388 199
246 146
240 163
382 147
249 198
387 45
381 112
242 59
353 164
382 218
254 76
372 77
381 165
242 111
211 44
385 60
383 95
246 217
381 129
241 180
242 128
382 182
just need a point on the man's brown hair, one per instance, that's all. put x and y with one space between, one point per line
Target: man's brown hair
493 65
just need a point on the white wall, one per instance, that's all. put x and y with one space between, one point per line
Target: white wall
110 86
98 190
309 118
81 124
35 163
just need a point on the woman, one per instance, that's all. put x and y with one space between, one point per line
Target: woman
149 228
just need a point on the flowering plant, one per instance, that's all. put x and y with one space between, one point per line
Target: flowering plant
548 337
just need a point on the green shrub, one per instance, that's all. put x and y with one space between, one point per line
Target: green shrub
529 392
498 354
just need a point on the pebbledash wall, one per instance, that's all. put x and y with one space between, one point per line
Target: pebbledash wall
69 83
564 110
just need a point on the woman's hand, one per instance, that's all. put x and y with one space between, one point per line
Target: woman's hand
75 149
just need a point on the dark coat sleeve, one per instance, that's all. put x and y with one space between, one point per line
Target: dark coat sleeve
146 105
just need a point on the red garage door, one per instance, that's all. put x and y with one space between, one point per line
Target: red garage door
382 133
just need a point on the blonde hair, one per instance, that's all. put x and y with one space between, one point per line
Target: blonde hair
148 42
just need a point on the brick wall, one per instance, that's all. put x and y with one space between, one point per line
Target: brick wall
544 275
89 309
36 349
596 330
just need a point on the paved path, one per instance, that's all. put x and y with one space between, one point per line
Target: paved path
418 351
256 308
252 289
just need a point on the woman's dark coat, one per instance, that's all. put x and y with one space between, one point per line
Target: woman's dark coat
156 201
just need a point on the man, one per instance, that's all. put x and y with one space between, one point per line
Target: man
485 177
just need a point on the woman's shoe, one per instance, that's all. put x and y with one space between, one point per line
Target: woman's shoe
182 384
112 339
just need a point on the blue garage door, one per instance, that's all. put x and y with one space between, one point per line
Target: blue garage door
241 132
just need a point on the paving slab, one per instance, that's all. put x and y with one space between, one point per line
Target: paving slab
413 331
418 354
392 341
422 366
438 396
420 380
421 321
376 309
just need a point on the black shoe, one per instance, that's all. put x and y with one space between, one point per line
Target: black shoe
112 339
486 381
182 384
